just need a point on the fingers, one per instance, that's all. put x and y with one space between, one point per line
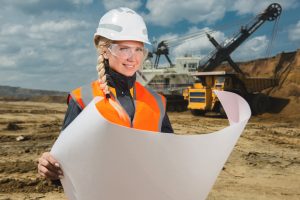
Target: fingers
43 171
51 159
46 163
49 167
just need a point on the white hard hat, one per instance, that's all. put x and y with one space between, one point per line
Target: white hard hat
123 24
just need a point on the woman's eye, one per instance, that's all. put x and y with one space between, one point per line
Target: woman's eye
124 48
139 49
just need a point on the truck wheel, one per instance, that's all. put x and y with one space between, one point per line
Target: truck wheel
260 103
197 112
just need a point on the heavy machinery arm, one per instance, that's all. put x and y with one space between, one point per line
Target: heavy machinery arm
222 52
200 95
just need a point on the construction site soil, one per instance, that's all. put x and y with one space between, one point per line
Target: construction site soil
265 163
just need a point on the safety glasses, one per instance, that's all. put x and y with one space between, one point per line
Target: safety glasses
125 51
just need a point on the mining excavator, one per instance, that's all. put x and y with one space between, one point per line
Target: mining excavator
200 96
189 83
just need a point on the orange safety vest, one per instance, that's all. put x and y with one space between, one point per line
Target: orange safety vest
150 107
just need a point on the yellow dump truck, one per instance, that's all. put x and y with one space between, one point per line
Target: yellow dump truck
201 97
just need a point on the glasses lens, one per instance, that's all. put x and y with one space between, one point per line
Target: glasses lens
125 52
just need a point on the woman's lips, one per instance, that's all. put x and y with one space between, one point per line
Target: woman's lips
128 65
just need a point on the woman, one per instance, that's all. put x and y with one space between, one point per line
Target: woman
119 40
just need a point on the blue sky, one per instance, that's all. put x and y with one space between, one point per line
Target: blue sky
48 44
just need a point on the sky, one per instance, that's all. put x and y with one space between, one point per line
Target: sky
48 44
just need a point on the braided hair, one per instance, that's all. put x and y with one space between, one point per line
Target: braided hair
102 45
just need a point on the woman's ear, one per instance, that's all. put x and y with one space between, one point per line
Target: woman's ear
105 55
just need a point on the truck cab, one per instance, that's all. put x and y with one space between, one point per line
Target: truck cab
201 97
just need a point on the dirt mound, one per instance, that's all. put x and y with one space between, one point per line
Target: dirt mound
287 70
285 67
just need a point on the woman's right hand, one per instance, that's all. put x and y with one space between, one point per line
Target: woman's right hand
49 167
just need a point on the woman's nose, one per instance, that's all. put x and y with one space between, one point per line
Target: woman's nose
131 56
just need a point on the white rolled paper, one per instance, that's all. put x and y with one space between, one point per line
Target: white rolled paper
101 160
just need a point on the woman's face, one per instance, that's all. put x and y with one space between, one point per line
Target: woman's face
126 57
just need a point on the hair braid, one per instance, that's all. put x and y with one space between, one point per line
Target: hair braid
102 45
102 75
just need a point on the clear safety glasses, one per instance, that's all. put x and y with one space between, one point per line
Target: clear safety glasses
125 51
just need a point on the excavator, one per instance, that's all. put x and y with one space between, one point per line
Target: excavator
201 97
189 83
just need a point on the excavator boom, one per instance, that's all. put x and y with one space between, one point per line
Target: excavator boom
222 53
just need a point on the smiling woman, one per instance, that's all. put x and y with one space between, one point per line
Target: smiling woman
119 40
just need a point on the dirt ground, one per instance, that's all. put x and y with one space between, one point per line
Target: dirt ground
265 163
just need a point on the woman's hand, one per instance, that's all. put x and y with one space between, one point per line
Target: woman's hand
48 167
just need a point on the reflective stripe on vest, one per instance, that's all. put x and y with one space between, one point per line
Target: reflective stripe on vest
83 95
149 106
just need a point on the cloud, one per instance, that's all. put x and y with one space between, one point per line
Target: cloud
58 26
294 32
7 62
251 49
40 49
133 4
257 6
166 36
48 30
202 47
11 29
193 43
169 12
81 1
36 7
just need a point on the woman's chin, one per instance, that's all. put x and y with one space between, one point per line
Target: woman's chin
129 72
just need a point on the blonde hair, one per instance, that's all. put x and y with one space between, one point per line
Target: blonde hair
102 45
